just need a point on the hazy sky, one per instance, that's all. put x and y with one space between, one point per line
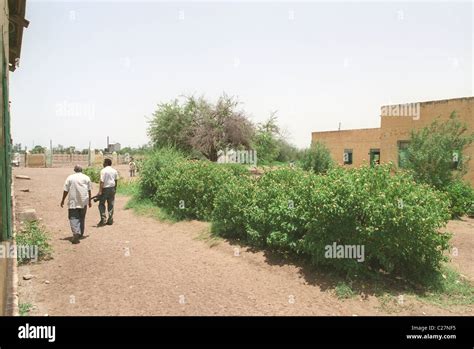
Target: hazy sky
94 69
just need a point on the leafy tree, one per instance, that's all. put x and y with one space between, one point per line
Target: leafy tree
38 150
171 126
287 152
432 152
219 126
317 158
267 140
200 126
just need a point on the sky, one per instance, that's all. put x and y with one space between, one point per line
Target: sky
93 69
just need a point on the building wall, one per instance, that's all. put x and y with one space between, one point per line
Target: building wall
360 141
398 128
36 160
396 125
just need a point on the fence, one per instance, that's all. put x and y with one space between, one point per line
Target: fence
62 160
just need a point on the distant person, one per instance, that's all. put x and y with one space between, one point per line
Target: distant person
132 167
107 188
78 186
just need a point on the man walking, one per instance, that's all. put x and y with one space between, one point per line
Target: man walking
132 167
107 188
78 186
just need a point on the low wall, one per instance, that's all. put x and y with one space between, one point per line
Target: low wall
36 160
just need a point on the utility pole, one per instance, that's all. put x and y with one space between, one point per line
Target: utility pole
50 153
89 158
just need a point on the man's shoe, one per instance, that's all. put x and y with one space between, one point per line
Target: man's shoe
75 239
110 222
100 224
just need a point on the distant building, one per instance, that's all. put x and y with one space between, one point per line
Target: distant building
113 147
351 148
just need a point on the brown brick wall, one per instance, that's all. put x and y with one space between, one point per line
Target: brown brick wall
360 141
396 126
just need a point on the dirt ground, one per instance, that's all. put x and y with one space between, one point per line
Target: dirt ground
140 266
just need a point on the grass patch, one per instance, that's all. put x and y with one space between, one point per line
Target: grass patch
128 188
449 290
343 290
25 308
145 207
33 234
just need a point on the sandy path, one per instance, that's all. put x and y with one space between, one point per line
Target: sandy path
140 266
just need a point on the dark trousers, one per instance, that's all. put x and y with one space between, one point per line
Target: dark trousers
108 195
77 220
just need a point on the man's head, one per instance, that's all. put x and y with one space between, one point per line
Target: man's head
77 168
107 162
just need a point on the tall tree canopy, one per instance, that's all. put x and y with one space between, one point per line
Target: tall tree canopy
195 124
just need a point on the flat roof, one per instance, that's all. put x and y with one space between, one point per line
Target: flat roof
433 101
351 129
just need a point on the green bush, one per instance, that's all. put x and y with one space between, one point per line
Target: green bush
93 173
317 158
279 216
232 207
150 172
396 221
461 196
392 217
188 188
185 188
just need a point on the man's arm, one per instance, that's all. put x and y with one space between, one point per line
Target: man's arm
64 198
90 198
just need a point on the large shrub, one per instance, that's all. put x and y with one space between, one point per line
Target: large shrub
233 206
185 188
150 171
279 214
461 196
188 188
396 220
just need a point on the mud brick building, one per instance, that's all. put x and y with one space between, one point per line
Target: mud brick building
353 148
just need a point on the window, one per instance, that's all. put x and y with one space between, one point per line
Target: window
374 157
347 157
402 153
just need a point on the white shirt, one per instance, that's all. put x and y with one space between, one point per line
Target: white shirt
78 185
108 175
